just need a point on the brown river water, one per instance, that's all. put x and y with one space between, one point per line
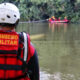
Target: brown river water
58 47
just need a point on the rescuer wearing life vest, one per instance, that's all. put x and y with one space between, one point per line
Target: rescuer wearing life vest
18 57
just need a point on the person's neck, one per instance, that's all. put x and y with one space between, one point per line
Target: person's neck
7 29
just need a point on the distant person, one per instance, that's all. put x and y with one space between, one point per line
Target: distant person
50 19
53 18
65 19
18 57
59 19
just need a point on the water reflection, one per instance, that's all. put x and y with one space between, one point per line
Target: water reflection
58 26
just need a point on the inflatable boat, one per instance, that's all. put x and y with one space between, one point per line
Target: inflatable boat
62 21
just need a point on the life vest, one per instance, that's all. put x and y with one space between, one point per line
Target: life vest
13 56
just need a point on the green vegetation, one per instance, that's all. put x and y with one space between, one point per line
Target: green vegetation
43 9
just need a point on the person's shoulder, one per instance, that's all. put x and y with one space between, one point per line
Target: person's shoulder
28 36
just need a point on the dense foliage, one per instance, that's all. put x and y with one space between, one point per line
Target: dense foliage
43 9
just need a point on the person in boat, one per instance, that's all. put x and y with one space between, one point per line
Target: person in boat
18 57
50 19
65 19
59 19
53 18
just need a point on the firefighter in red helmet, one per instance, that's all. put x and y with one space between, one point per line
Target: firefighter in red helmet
18 57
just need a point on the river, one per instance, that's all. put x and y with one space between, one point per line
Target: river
58 47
